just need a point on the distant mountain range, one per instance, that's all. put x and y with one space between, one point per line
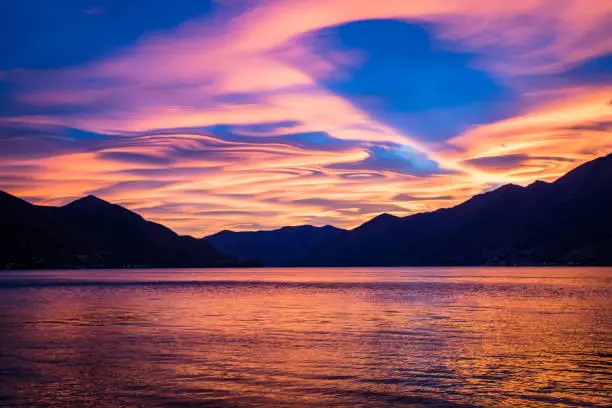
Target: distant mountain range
568 222
565 222
92 233
279 247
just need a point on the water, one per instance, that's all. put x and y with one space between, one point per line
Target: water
355 337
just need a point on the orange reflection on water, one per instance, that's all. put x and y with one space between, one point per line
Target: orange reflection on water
311 337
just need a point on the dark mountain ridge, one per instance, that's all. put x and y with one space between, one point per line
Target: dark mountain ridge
273 248
565 222
92 233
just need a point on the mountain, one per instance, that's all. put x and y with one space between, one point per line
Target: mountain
568 221
273 248
93 233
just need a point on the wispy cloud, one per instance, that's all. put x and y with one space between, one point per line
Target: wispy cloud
262 114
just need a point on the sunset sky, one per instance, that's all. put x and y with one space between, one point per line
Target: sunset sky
232 114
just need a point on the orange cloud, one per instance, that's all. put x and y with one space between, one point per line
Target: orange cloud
210 72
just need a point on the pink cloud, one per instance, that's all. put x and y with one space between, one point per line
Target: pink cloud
182 79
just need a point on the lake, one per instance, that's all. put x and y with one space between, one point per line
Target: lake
321 337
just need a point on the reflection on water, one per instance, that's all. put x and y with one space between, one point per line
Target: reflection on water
375 337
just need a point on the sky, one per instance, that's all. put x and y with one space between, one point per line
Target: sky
246 115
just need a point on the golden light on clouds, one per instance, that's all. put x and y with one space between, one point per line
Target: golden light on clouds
253 118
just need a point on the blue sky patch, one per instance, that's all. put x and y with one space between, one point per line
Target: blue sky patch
409 80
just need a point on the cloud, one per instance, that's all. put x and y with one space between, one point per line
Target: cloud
350 207
396 159
545 142
410 197
265 134
214 115
130 186
512 161
509 161
598 126
40 140
135 158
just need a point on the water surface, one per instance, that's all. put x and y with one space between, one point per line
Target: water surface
327 337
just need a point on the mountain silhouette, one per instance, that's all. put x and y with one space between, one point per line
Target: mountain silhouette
93 233
273 248
568 221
